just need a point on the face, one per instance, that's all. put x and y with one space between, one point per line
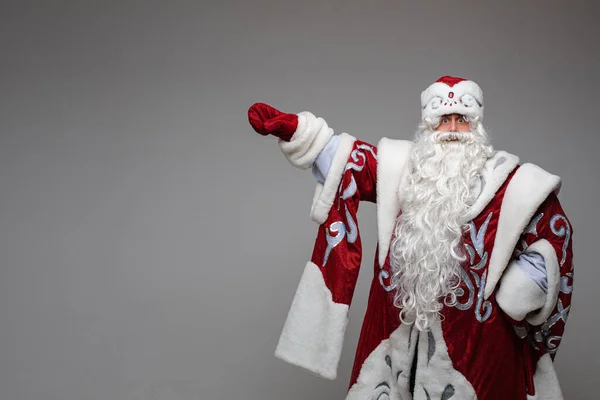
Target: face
454 123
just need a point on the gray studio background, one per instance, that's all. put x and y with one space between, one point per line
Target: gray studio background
151 242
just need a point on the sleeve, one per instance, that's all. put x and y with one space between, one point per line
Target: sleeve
313 333
321 166
534 266
314 144
536 313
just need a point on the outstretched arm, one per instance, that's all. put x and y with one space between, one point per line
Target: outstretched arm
313 333
307 141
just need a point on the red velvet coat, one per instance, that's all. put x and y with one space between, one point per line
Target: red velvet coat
497 342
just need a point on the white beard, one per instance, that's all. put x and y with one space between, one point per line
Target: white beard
427 245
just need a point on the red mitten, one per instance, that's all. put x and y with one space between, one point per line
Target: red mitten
267 120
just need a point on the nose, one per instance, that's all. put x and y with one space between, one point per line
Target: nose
453 125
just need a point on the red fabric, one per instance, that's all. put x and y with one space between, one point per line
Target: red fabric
495 373
340 270
450 80
267 120
381 319
559 232
472 345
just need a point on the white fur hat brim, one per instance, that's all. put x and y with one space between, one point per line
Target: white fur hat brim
464 97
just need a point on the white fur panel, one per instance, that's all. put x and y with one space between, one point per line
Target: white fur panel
527 190
435 369
375 368
547 251
545 381
494 173
392 164
518 294
325 192
313 333
311 136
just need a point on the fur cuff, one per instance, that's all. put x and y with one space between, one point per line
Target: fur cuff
544 248
311 136
313 333
518 294
325 192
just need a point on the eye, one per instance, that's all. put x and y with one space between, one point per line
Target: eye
445 120
461 120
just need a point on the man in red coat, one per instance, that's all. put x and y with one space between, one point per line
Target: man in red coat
473 273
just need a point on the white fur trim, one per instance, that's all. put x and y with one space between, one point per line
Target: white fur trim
546 250
375 369
494 174
313 333
518 294
434 368
325 192
392 161
311 136
466 99
545 381
528 188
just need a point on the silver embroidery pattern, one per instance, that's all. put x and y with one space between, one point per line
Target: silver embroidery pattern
486 305
342 231
383 274
477 237
333 241
340 228
551 342
460 292
356 154
521 331
350 189
532 227
562 314
564 283
553 347
483 308
563 231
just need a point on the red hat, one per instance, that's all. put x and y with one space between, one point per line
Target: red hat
452 95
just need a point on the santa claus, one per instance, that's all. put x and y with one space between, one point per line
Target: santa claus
473 272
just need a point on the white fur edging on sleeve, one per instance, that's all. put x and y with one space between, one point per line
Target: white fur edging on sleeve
518 294
546 250
311 136
313 333
325 192
527 190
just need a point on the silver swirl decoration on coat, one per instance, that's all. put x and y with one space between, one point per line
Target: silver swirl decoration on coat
563 231
483 308
564 283
486 305
349 232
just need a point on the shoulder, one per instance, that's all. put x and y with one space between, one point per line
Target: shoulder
392 159
395 148
392 164
531 185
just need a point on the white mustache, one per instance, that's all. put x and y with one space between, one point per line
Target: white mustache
453 136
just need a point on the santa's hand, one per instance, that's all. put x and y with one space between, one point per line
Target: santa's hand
267 120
